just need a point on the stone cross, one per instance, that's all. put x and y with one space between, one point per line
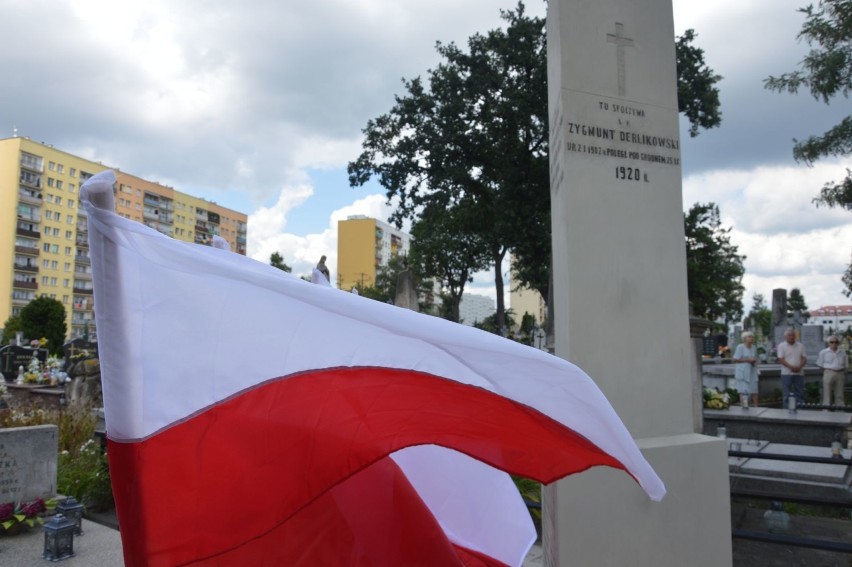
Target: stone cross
620 42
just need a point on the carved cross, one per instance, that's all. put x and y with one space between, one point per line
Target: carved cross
620 42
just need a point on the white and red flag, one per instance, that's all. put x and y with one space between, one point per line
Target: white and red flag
256 419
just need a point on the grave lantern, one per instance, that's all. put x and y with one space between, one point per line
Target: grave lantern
72 510
58 539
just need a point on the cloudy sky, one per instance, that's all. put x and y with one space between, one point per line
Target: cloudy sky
259 105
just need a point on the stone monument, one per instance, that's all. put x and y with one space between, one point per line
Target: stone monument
406 290
618 256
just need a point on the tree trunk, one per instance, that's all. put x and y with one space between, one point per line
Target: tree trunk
500 317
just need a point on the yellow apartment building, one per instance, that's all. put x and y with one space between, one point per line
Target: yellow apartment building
363 245
44 246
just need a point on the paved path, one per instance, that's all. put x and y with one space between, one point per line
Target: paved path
99 546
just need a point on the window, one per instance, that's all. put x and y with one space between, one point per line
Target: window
58 184
44 280
70 203
54 248
69 219
48 215
69 235
51 165
60 168
67 266
45 264
58 200
72 172
50 182
65 297
46 247
52 282
66 282
67 250
54 264
49 198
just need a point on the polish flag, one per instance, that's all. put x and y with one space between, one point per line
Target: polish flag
256 419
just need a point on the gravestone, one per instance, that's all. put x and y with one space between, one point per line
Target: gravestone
406 291
618 233
11 357
812 341
28 463
779 308
78 349
708 346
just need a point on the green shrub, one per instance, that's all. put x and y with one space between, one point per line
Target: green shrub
85 476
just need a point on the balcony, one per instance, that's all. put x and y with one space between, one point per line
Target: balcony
25 285
151 215
151 201
33 182
83 260
83 275
82 291
21 301
201 228
32 164
30 197
82 240
32 269
28 233
27 250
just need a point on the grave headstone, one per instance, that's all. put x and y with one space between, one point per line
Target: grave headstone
779 308
813 341
28 463
78 349
708 346
617 229
11 357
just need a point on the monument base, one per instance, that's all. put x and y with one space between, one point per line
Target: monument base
602 517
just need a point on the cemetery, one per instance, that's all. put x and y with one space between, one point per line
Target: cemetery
722 470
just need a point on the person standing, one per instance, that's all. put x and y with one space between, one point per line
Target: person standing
745 369
791 356
834 363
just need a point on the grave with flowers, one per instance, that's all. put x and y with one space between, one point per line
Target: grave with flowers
28 466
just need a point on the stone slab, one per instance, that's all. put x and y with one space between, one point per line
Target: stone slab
28 463
815 472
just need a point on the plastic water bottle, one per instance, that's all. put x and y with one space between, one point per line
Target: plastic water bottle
722 431
791 403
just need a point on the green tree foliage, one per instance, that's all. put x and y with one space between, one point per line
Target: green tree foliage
847 281
384 288
796 302
827 72
490 324
10 327
475 134
277 261
760 316
45 317
697 94
446 245
714 270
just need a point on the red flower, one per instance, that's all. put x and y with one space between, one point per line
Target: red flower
6 511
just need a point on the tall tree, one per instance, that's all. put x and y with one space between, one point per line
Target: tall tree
796 302
277 261
45 317
446 245
697 94
477 131
847 281
827 72
760 316
714 270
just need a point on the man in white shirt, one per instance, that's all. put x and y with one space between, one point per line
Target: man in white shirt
834 363
791 356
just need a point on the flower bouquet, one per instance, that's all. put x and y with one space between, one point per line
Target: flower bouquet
14 518
714 399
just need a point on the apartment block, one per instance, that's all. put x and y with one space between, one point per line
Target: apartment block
44 247
363 245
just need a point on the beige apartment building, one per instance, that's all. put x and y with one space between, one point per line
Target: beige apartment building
44 246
